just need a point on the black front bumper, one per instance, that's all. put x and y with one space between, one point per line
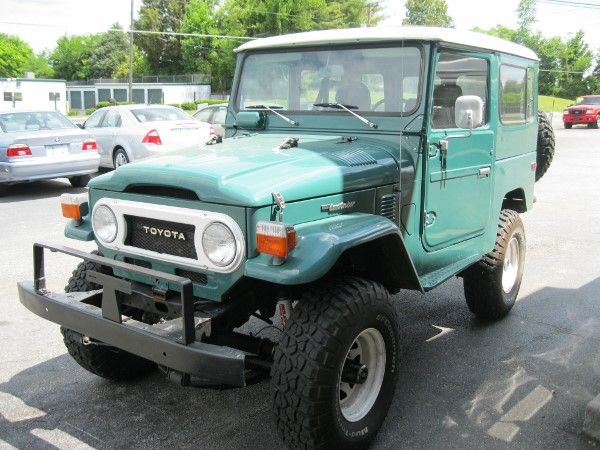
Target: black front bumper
174 345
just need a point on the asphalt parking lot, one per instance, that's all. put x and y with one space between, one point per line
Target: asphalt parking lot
520 383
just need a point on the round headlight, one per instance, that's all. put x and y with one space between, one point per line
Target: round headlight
104 223
218 243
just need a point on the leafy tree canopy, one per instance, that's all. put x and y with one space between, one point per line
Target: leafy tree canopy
428 12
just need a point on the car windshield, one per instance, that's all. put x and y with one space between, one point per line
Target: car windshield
381 80
34 121
158 114
589 101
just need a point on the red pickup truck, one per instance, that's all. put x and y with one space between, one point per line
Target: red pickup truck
585 111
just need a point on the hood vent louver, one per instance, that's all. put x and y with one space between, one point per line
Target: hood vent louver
162 191
354 158
388 207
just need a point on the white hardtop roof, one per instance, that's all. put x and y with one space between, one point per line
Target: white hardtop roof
379 34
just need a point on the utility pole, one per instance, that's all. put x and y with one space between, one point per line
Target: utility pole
131 54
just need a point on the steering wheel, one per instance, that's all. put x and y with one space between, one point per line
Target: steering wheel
378 104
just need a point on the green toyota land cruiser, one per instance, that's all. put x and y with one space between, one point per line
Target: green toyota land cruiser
356 163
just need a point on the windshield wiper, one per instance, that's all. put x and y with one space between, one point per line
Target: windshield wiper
349 109
271 109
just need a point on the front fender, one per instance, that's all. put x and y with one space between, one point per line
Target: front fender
321 243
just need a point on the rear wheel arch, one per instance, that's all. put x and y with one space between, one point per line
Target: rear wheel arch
515 200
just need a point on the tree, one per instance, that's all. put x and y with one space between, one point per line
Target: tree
71 57
38 64
163 52
14 55
140 65
197 52
109 50
575 59
526 14
428 12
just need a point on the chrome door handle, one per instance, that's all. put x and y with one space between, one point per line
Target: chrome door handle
484 172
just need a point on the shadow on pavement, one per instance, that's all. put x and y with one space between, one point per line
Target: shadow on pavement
36 190
522 382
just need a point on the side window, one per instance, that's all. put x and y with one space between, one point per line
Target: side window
530 94
220 116
457 75
112 119
203 115
95 119
513 94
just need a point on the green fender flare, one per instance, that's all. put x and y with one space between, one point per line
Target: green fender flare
321 243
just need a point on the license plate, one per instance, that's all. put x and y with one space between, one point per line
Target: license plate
57 150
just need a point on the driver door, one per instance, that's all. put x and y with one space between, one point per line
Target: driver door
459 180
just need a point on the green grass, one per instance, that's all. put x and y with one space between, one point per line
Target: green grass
550 104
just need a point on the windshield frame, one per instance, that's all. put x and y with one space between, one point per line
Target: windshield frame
419 45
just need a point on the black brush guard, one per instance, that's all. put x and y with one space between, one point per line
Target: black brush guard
174 346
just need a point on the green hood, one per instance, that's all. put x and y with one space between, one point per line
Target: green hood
246 171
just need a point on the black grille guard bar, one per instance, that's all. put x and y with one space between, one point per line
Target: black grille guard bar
173 347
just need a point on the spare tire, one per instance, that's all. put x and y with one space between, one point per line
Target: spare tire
545 145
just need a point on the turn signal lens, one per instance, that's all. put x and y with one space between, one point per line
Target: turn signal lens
18 150
152 137
89 144
275 238
74 206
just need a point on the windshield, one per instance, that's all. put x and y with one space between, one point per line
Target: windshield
34 121
157 114
384 80
589 101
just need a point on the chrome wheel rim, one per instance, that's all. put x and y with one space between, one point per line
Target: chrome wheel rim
511 265
120 160
356 400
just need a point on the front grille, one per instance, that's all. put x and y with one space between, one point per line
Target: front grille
576 112
196 277
161 236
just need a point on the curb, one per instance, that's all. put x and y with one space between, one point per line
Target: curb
591 423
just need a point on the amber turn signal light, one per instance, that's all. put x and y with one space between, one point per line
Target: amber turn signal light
275 238
74 206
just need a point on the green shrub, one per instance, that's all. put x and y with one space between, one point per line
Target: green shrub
188 105
89 111
176 105
211 102
73 112
103 104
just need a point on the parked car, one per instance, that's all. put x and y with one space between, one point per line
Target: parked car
214 115
129 133
585 111
37 145
366 161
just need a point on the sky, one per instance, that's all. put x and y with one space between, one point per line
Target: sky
61 17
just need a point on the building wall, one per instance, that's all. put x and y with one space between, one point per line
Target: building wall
86 96
34 94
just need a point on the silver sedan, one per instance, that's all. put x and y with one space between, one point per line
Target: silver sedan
37 145
129 133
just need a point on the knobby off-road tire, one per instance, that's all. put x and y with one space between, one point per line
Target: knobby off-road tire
102 360
492 284
335 321
545 145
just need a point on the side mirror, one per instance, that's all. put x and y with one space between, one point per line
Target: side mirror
250 120
80 125
468 112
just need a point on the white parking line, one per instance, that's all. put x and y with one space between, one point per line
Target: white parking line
60 439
